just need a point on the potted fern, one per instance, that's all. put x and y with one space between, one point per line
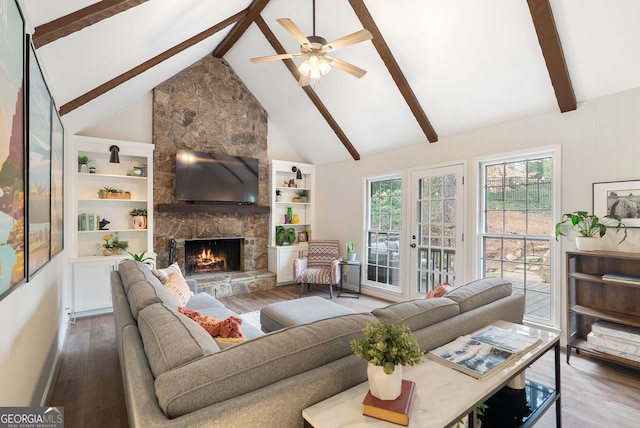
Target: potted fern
588 227
387 347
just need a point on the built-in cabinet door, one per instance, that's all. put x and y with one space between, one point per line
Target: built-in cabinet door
92 286
285 257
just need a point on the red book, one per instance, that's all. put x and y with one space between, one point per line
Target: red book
396 411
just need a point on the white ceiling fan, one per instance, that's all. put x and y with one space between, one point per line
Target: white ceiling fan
315 49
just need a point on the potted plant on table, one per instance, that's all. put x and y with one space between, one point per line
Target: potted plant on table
387 347
351 251
588 227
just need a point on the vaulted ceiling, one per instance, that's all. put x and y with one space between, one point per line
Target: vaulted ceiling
434 67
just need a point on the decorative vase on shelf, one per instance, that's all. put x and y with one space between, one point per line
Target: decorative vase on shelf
139 222
295 219
384 386
106 252
83 168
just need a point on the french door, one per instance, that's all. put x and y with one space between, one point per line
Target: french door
437 219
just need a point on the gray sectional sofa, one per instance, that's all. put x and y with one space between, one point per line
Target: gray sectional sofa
176 375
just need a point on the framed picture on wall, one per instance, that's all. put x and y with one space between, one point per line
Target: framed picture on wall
12 148
39 167
303 236
620 198
57 182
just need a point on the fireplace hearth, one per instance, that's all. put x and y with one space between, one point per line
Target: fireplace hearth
210 256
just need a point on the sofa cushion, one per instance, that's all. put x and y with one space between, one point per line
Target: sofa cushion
163 274
132 272
257 363
172 339
419 313
480 292
177 286
202 301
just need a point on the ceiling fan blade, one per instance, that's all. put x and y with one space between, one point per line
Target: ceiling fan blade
294 31
350 39
274 57
345 66
304 80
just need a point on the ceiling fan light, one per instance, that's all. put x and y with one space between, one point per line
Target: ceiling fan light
304 68
315 73
314 62
325 67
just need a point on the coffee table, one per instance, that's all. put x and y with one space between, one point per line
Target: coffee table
444 396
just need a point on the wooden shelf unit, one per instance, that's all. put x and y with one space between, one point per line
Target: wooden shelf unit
591 298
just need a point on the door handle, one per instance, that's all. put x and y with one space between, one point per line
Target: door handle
413 245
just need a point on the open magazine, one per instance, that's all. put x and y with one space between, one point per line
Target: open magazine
479 354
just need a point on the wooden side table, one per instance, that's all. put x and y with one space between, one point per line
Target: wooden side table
341 292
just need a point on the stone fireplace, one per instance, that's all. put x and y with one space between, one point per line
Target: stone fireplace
207 108
208 256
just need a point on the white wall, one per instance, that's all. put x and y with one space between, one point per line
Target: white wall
32 335
599 142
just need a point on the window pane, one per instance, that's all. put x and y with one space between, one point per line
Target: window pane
518 224
385 216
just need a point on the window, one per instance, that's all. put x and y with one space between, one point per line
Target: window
384 213
517 222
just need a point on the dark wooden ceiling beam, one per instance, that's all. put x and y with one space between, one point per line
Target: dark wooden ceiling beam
307 89
111 84
396 73
255 8
549 40
76 21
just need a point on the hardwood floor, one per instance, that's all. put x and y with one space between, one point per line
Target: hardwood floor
89 386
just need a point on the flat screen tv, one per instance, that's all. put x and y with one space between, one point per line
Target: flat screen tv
209 177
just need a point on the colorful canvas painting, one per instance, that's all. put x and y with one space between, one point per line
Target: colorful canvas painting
39 172
12 152
57 174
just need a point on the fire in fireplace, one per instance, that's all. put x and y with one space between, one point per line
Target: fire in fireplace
213 255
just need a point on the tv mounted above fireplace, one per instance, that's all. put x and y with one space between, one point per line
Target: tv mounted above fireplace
212 178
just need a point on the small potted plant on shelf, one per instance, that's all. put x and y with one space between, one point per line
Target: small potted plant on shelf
278 195
138 218
351 251
588 227
107 245
387 347
119 246
83 163
303 195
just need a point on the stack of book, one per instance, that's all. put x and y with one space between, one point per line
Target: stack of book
615 339
88 222
396 411
481 354
619 277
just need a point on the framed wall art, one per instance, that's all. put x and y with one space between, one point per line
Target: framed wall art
620 198
57 182
12 148
39 167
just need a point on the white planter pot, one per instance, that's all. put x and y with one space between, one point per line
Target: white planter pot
351 257
587 244
384 386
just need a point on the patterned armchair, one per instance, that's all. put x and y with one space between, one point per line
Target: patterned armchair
321 266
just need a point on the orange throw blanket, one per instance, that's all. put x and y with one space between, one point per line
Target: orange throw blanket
227 328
